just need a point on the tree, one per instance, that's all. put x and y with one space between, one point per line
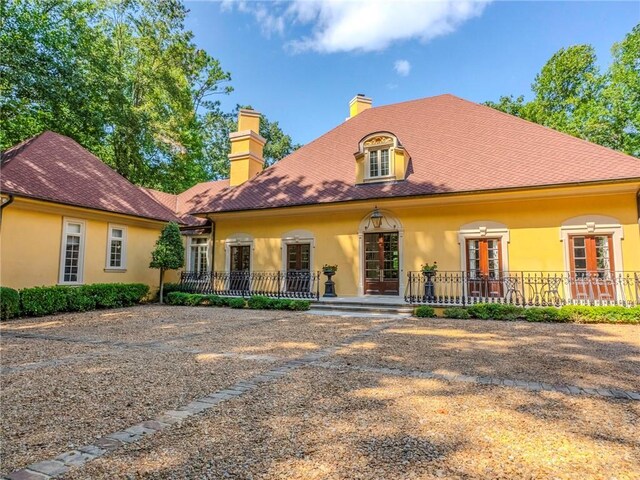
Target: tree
572 95
168 253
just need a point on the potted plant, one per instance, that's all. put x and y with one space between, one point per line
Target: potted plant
329 285
429 271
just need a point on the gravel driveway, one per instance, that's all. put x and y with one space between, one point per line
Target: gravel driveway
359 398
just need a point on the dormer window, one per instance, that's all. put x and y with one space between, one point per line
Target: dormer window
379 163
380 158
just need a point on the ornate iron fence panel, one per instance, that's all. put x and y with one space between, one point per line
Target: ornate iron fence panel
292 284
524 288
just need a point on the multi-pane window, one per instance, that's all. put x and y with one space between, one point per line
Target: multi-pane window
72 250
199 255
116 247
379 165
591 256
483 257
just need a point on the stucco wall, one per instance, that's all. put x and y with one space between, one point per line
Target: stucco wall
30 244
430 232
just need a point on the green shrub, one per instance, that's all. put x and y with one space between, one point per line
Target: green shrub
544 314
424 311
114 295
38 301
132 293
170 287
79 300
258 302
601 314
456 312
237 302
495 311
9 303
300 305
177 298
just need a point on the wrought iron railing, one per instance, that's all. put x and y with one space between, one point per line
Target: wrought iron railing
524 288
291 284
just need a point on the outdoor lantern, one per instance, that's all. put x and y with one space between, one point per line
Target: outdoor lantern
376 217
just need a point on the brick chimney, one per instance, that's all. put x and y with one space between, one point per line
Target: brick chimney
358 104
246 148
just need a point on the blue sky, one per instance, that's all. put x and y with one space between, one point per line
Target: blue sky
301 62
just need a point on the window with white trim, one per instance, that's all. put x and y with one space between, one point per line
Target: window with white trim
71 261
199 255
379 163
116 247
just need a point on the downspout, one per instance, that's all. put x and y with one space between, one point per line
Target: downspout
3 205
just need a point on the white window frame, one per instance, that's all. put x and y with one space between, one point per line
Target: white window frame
66 221
380 177
190 244
481 230
123 259
588 225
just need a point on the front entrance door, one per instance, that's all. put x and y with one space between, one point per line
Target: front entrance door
298 267
239 274
381 264
484 267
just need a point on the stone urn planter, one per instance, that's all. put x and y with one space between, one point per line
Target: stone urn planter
329 284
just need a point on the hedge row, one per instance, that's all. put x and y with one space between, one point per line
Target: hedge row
38 301
567 313
255 302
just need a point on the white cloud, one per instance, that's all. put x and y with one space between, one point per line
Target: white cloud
402 67
359 25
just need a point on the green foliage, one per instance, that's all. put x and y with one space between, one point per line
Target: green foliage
456 312
169 250
604 314
9 303
572 95
425 311
495 311
79 299
39 301
237 303
545 314
258 302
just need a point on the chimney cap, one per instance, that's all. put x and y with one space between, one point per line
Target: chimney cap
361 95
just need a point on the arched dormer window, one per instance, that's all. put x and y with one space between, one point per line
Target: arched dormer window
380 157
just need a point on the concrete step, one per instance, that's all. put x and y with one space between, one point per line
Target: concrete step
358 314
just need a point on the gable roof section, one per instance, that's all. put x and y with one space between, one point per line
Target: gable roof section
55 168
455 146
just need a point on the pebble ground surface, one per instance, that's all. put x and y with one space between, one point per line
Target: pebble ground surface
195 392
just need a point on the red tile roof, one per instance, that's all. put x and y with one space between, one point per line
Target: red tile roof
55 168
190 199
455 146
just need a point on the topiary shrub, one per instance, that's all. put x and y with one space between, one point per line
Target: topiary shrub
170 287
38 301
456 312
132 293
424 311
258 302
106 295
9 303
237 302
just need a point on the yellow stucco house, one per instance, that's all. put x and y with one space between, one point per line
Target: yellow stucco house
511 212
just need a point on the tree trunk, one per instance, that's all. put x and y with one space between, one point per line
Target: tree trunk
161 285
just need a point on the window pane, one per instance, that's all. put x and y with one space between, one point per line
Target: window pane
115 253
71 258
74 228
116 233
384 162
373 164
